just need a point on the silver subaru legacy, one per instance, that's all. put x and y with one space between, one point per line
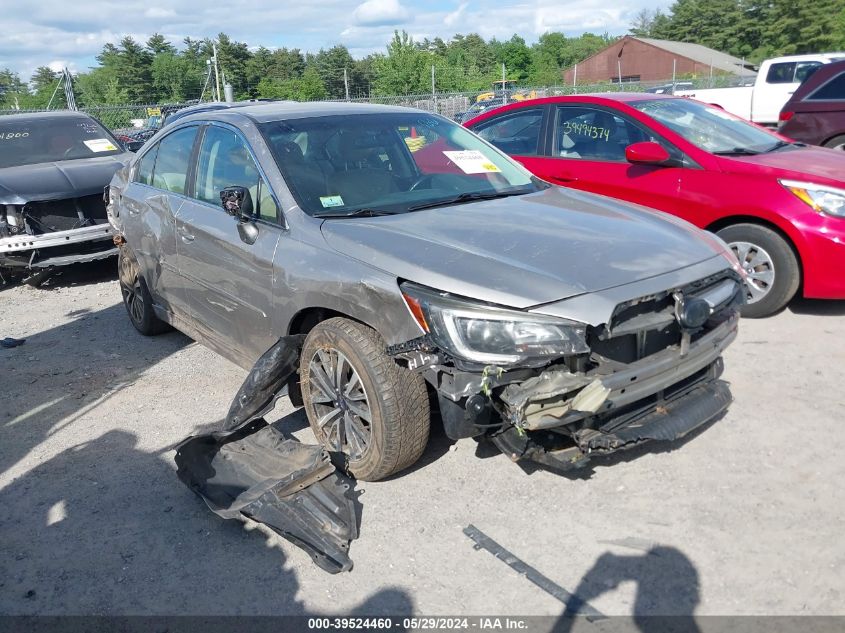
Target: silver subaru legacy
435 279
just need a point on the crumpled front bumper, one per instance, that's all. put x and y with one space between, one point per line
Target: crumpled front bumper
94 242
670 419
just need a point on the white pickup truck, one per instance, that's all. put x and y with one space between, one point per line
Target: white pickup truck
777 79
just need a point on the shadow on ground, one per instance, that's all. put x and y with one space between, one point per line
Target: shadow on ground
105 528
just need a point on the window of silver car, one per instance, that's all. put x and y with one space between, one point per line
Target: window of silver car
224 161
387 162
173 160
144 168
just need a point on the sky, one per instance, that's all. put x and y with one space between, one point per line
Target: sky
59 33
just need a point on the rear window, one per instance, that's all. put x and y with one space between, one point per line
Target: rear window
29 141
831 91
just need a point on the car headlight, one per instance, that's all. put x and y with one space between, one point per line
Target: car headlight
822 198
491 335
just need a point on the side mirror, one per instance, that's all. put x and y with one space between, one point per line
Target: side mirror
647 153
237 202
133 146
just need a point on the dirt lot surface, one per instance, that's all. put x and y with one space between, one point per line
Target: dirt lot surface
745 517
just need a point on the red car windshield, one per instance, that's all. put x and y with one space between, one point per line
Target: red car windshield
709 128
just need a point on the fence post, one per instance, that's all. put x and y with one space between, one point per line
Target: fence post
433 91
346 83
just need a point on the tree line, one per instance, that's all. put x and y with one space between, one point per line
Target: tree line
157 71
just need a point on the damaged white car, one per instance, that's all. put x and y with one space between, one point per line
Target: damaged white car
433 277
53 169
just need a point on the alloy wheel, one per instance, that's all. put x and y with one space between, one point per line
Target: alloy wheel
340 401
759 268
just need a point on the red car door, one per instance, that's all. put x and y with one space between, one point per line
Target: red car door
585 149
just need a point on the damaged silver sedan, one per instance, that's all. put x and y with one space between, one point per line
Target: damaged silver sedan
433 277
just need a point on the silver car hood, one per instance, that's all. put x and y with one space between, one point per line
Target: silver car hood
525 250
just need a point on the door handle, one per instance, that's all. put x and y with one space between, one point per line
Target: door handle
563 178
186 237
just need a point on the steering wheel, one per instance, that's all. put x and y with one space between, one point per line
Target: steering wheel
419 182
68 151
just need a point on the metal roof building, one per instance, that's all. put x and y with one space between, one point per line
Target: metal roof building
646 59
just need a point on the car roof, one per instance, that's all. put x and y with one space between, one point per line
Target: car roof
281 110
597 98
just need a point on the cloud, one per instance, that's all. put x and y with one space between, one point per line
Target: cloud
381 13
456 16
158 12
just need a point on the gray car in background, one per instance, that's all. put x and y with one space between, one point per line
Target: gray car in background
434 278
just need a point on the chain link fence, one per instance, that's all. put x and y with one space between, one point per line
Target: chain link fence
124 119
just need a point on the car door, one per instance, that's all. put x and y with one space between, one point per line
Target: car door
585 149
228 281
151 203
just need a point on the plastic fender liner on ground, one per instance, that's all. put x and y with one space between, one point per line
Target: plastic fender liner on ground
254 472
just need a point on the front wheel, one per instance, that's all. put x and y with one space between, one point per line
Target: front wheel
770 263
359 402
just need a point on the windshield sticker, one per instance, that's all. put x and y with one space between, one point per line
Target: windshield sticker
5 136
415 143
100 145
331 201
472 161
89 128
585 129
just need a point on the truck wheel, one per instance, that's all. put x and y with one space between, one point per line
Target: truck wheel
837 142
773 271
359 402
136 297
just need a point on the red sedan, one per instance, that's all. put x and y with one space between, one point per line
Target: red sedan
779 205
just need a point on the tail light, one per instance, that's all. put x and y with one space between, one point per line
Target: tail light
785 116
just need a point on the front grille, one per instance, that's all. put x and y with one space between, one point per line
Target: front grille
645 326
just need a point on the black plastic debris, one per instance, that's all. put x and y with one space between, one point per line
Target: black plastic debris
265 381
252 471
9 342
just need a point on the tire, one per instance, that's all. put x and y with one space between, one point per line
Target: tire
136 297
837 142
394 398
775 278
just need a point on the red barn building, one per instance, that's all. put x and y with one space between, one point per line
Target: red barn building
646 59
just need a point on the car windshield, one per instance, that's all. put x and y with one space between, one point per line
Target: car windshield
27 141
710 128
389 163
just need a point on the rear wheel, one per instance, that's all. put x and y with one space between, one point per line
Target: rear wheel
136 297
359 402
772 267
836 143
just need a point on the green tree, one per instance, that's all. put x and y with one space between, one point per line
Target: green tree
158 45
405 68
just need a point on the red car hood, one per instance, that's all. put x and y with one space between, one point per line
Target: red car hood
815 164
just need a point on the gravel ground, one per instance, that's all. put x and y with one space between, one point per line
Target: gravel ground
743 518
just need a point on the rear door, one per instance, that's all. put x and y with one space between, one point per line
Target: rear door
228 282
150 204
585 149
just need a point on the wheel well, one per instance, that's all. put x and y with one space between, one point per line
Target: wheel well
305 320
724 223
832 138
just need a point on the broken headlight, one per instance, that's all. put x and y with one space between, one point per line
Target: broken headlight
491 335
824 199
